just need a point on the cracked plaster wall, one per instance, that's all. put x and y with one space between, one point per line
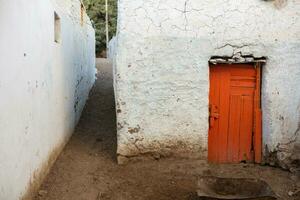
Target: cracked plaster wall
43 86
162 74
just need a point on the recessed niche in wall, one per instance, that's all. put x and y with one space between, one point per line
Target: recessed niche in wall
57 28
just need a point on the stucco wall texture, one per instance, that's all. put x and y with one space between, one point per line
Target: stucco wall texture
162 71
43 87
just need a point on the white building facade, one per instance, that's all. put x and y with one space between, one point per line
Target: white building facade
47 68
162 79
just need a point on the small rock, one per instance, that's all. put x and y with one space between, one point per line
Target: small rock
156 156
122 160
220 60
290 193
42 193
249 59
294 178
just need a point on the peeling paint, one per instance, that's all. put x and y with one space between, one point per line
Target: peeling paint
134 130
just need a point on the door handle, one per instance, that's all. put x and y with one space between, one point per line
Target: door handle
213 115
212 119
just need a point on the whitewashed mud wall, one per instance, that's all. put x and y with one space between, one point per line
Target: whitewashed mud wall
43 87
162 73
111 53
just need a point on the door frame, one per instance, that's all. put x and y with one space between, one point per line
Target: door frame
257 138
257 135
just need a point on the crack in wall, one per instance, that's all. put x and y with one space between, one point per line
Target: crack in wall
165 42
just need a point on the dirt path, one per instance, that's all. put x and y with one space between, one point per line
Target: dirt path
87 169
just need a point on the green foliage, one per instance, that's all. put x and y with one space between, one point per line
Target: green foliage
96 11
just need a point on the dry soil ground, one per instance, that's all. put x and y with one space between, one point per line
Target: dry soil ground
87 168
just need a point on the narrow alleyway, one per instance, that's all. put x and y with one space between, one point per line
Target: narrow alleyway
87 169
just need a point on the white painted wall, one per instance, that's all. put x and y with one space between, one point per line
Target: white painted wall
111 53
43 87
161 75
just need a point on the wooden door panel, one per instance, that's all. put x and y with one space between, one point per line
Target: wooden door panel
213 122
242 70
233 91
234 129
223 114
246 129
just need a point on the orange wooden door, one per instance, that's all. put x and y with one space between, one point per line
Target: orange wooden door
235 130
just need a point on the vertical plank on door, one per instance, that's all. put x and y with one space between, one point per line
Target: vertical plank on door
215 100
246 130
258 117
224 114
234 128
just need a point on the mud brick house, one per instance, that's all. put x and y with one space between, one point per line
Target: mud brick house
47 67
219 80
